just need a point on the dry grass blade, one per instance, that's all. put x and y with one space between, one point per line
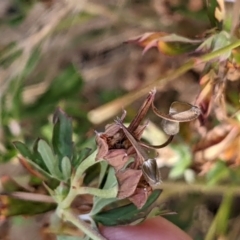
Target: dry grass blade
39 24
30 197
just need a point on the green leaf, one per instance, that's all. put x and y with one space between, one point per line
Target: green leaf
31 158
176 48
86 164
23 149
16 207
37 157
168 44
66 168
16 90
111 179
216 12
61 192
49 159
62 135
128 213
91 173
221 40
220 224
84 153
104 166
223 214
100 203
215 42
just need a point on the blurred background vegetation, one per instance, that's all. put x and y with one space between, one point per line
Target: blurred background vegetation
72 54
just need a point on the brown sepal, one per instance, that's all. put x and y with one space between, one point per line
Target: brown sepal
128 181
101 140
117 158
140 196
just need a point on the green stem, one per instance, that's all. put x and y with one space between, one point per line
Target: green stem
64 210
110 109
88 162
219 225
76 181
102 193
176 187
68 215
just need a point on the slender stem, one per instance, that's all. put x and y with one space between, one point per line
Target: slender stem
196 187
76 181
88 162
35 197
68 215
64 210
110 109
219 224
76 188
102 193
168 141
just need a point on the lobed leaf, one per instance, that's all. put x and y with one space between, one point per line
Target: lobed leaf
49 159
34 160
37 157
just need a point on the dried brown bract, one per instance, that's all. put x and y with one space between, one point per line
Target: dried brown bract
121 147
116 149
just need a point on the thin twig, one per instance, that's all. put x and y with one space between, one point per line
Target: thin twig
35 197
37 26
76 181
110 109
197 187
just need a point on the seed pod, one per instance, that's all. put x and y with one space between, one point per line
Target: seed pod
151 172
184 112
179 112
169 127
